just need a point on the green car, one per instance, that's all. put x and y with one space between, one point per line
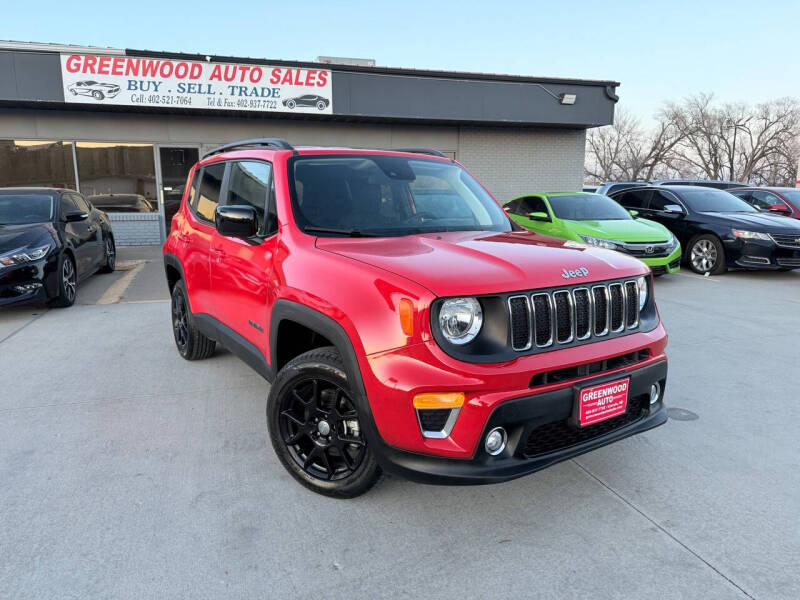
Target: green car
597 220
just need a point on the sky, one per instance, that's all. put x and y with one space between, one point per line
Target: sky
658 51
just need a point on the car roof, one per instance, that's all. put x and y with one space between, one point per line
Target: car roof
34 190
255 152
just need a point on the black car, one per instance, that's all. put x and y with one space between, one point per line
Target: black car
716 229
122 203
720 185
50 240
307 100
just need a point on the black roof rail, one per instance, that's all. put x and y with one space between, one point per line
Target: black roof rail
262 142
422 151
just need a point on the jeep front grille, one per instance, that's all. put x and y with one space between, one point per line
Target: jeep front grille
561 316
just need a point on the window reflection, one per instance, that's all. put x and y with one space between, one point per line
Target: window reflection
36 163
118 177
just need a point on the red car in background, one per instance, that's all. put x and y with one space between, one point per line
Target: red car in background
779 200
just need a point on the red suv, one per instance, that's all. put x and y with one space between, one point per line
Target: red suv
404 322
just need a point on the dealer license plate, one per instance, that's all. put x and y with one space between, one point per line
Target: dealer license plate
603 401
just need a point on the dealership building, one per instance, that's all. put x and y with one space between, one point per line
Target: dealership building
124 126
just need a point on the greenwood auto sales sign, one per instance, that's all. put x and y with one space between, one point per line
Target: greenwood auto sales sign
139 81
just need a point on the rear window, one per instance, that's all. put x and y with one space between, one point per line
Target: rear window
19 209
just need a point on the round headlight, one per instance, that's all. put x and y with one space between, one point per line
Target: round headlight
641 283
460 320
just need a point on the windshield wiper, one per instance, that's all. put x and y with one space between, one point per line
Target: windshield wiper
345 232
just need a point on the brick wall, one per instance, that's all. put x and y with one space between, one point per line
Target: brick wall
133 229
513 161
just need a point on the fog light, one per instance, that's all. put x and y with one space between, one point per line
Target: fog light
496 441
655 392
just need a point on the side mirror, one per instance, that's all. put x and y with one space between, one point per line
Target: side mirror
538 216
74 216
674 209
507 209
236 221
780 208
633 213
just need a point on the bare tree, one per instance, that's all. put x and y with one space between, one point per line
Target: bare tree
605 146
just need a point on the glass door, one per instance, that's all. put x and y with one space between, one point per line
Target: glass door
175 165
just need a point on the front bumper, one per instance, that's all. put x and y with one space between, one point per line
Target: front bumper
536 426
665 264
27 282
761 254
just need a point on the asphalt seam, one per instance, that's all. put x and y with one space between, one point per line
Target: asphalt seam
663 530
16 331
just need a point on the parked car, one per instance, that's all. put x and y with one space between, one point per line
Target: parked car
443 343
611 187
50 240
307 100
117 203
780 200
598 221
718 230
590 188
720 185
97 90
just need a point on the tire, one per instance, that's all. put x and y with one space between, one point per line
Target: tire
705 254
314 427
191 344
67 283
97 95
291 104
321 105
111 256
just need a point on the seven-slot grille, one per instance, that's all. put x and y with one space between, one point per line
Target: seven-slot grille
545 319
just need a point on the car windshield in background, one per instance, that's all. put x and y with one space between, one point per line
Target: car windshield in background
587 207
389 196
792 195
20 209
711 200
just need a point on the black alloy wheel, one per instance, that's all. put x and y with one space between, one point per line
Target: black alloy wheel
191 343
111 256
316 428
319 425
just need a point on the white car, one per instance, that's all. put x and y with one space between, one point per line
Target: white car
98 91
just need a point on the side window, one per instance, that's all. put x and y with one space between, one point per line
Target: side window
67 204
249 184
744 195
532 204
661 199
82 203
764 200
633 199
512 207
209 190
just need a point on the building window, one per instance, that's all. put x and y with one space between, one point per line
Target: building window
36 163
118 177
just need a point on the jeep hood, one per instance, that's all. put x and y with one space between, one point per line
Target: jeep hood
471 263
628 230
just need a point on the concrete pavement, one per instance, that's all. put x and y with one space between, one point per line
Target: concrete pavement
127 473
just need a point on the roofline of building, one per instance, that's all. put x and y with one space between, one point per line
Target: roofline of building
379 70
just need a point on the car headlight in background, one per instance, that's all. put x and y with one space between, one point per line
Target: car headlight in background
641 283
23 255
751 235
599 242
460 320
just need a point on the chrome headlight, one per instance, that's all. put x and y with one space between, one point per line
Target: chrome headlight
751 235
672 243
641 283
22 255
460 320
599 242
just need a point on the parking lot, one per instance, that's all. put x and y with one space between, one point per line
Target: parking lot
128 472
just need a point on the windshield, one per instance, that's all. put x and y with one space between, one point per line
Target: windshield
19 209
792 195
711 200
388 196
587 207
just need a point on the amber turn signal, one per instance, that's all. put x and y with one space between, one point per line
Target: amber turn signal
407 316
439 400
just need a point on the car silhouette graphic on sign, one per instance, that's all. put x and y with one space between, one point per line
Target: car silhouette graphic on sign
307 100
98 91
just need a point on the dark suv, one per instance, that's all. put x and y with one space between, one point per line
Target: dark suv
404 321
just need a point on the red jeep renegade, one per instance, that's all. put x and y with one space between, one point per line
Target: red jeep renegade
405 323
